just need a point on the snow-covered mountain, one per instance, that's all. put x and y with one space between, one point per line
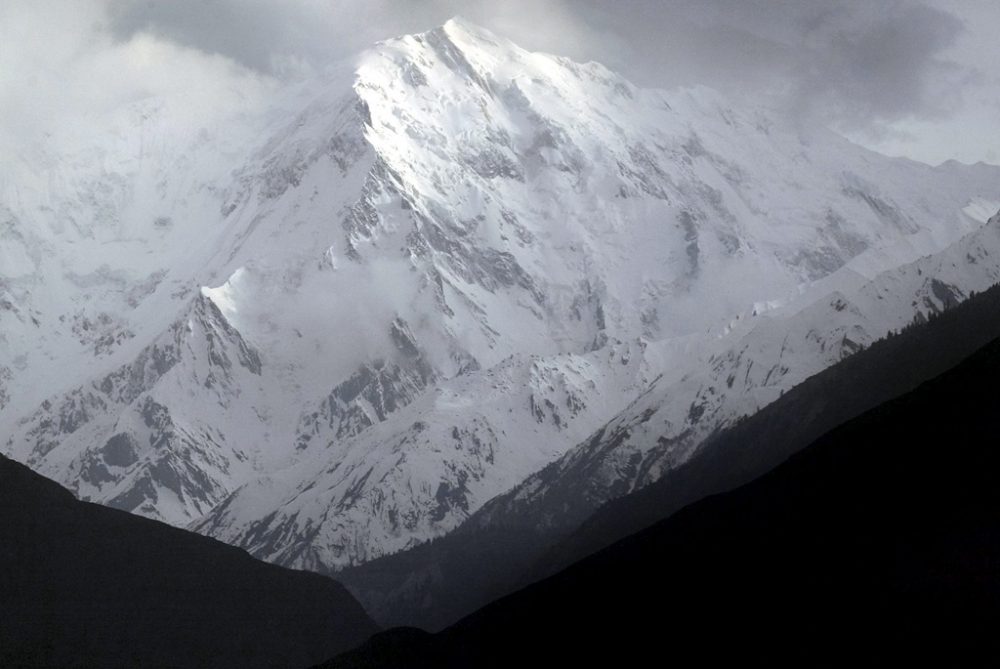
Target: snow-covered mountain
336 327
757 359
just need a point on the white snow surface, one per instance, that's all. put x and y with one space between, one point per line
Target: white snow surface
334 327
758 358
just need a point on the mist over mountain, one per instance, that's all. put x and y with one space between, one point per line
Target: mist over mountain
442 272
417 318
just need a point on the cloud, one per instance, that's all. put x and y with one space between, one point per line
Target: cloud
64 75
852 62
254 33
875 66
863 67
267 35
848 62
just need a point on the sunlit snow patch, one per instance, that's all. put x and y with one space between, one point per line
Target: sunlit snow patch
980 209
224 297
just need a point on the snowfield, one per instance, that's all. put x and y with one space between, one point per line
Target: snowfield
333 327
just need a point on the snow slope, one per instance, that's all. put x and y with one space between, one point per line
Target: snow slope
335 326
758 358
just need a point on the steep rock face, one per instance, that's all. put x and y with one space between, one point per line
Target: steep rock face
526 224
748 368
117 440
457 237
866 543
663 435
427 468
371 394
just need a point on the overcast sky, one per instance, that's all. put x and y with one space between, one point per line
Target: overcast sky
919 78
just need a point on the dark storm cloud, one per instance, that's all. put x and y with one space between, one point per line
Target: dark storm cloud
850 62
264 34
902 76
885 67
247 32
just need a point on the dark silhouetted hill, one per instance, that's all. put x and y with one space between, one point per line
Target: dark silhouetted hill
878 543
85 585
433 585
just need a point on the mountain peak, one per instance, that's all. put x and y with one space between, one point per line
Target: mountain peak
511 207
464 47
473 36
458 24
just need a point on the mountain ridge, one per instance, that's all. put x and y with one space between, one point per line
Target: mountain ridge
454 263
867 543
433 586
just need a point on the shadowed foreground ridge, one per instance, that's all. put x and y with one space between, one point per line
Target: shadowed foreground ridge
85 585
758 443
436 584
878 541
